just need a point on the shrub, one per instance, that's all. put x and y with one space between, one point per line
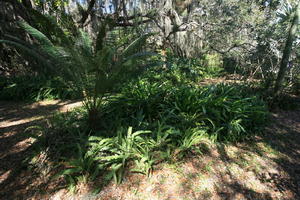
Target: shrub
35 88
171 121
187 71
228 111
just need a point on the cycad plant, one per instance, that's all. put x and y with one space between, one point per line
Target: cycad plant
91 68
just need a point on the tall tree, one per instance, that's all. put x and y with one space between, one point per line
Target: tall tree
287 51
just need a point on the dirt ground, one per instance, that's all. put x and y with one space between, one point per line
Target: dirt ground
16 180
266 168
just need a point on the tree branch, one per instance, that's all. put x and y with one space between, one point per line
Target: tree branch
86 13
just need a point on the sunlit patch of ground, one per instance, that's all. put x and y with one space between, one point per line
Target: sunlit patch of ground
199 178
15 181
233 78
265 168
227 172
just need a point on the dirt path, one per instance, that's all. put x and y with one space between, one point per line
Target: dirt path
266 168
15 179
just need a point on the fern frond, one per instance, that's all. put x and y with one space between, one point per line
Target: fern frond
84 43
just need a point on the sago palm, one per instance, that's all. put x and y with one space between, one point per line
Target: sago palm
92 68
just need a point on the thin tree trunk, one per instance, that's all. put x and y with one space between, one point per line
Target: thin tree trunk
287 51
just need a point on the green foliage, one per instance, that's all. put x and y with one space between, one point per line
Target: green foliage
189 141
180 122
35 88
83 168
140 150
192 70
181 71
172 115
123 149
228 112
90 71
178 114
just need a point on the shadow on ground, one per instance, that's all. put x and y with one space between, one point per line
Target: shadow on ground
278 146
16 180
265 168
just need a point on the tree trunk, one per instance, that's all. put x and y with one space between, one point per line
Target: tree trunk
287 51
87 12
94 119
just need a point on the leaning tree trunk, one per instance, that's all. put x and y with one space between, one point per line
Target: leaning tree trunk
287 51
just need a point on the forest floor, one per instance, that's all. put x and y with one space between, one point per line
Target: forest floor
268 167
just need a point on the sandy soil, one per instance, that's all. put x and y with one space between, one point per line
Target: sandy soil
266 168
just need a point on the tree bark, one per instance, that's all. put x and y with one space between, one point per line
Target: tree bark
86 13
287 51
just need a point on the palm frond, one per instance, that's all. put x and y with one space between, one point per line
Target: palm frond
285 13
48 25
30 51
135 46
42 39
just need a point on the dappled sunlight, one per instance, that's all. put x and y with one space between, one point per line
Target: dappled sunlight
149 100
239 171
243 170
15 142
4 175
12 122
224 171
174 182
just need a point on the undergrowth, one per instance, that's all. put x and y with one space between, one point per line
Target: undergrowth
148 123
164 115
35 88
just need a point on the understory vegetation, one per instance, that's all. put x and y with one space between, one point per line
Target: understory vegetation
35 88
159 81
156 118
